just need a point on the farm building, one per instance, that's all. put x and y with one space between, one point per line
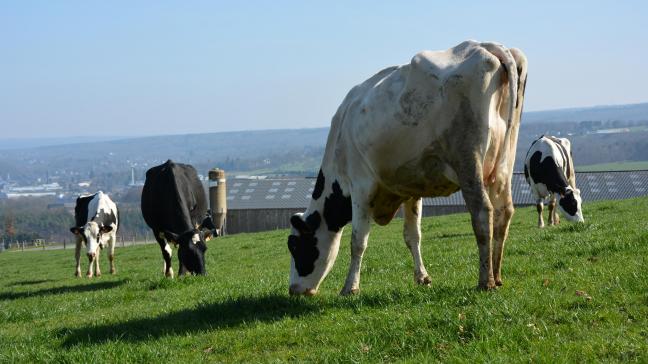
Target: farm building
267 204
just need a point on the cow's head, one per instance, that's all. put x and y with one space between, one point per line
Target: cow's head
313 250
92 234
191 249
570 205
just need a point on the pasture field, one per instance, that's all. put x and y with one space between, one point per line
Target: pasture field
615 166
571 294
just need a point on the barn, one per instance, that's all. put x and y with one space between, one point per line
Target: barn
261 204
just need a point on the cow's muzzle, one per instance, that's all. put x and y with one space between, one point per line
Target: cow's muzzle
296 290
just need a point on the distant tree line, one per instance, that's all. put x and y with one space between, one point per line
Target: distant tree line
30 218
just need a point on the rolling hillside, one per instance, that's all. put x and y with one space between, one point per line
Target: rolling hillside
571 294
629 112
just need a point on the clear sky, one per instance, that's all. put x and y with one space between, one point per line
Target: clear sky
70 68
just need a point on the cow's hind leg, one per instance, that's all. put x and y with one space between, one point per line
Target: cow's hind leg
481 214
166 254
412 210
359 236
500 196
539 206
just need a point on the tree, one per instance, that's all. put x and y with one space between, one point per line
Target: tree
10 226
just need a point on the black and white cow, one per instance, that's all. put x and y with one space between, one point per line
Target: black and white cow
175 207
549 170
96 221
446 121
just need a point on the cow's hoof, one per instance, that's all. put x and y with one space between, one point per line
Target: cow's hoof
486 286
424 280
349 292
88 275
77 274
98 275
498 282
113 271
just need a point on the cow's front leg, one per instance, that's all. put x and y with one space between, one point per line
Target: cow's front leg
539 206
91 260
77 256
96 260
412 210
111 253
166 255
553 212
182 270
359 235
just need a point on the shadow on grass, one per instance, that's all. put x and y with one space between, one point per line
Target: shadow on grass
28 283
60 290
240 311
452 235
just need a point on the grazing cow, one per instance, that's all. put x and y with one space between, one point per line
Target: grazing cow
446 121
96 221
549 170
175 207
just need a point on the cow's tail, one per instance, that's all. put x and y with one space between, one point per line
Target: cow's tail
508 62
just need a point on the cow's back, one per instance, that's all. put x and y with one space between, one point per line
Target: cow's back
173 198
403 124
548 167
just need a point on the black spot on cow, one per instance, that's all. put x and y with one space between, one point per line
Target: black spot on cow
81 210
319 186
568 203
547 172
337 209
105 219
303 247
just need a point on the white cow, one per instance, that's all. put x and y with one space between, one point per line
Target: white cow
446 121
549 170
96 221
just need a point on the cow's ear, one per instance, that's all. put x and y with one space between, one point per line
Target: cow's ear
105 229
299 224
75 230
207 223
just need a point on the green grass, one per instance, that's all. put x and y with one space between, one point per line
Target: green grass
616 166
241 312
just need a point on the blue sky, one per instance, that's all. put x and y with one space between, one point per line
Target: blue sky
70 68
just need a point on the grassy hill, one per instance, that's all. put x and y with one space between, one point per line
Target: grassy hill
571 294
618 166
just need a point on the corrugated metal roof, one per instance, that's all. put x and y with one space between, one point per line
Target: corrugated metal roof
245 193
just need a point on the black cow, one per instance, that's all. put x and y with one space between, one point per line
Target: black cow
175 207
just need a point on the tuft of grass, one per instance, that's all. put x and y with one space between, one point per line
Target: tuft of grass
572 293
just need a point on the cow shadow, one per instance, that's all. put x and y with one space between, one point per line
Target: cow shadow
30 282
98 286
234 312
